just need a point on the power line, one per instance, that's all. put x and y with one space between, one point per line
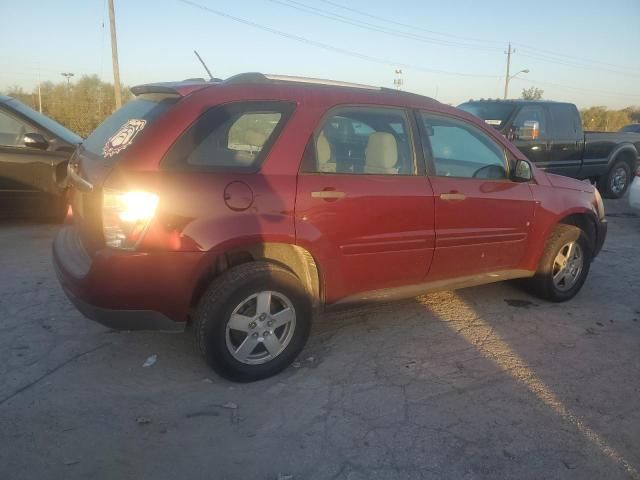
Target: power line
571 57
371 58
579 89
327 47
575 65
531 49
373 27
406 25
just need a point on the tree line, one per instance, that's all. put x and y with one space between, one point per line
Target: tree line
83 104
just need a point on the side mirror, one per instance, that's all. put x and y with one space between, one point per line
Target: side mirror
530 130
35 140
522 172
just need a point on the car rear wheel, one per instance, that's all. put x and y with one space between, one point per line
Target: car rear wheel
253 321
564 265
616 182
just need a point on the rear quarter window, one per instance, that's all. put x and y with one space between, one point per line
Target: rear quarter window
236 136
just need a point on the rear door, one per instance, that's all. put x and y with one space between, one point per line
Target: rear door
482 218
362 208
566 143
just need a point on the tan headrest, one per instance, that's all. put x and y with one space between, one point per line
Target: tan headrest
323 154
256 138
381 155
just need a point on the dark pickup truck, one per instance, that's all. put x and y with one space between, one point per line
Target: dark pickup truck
551 135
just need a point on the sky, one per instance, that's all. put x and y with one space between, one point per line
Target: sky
582 51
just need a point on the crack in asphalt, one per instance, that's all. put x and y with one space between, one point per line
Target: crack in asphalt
50 372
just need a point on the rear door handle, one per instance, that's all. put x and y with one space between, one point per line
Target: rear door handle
452 196
328 194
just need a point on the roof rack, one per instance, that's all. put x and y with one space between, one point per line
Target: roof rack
255 77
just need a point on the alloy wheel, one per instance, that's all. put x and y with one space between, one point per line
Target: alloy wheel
260 327
567 266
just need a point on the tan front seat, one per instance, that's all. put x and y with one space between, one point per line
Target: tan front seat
323 155
381 155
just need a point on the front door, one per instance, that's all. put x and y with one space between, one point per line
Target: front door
482 217
22 169
535 149
362 210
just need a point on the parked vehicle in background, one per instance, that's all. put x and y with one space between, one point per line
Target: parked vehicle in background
242 207
550 134
634 191
632 128
34 150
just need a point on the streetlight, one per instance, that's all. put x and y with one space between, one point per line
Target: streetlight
68 76
511 77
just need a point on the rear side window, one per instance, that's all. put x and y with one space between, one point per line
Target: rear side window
565 121
363 140
235 136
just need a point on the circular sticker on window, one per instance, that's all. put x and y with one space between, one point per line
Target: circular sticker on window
123 137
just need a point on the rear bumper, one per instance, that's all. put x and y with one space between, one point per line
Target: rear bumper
127 290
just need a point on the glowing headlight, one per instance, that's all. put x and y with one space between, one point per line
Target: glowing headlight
126 216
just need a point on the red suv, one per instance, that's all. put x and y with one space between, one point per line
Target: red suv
245 206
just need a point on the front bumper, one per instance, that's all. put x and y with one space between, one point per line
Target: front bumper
127 290
601 235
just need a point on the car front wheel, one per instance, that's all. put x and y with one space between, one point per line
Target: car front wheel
253 321
564 265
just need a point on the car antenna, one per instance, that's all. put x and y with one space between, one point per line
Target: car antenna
204 65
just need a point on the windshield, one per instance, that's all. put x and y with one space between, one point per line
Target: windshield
117 132
493 113
45 122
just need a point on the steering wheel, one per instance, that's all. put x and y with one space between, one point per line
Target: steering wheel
490 171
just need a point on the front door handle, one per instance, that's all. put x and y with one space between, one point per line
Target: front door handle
328 194
452 196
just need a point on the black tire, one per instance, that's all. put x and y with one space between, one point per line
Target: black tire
542 283
228 292
609 184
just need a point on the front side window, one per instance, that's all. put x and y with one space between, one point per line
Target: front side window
235 136
12 130
529 114
364 140
459 149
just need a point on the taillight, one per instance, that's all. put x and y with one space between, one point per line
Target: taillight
126 217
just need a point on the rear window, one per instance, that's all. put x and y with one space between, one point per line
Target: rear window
118 131
235 136
495 114
565 121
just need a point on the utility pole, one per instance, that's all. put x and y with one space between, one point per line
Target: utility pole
506 78
114 56
39 91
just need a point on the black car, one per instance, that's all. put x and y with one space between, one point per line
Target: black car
632 128
34 152
551 135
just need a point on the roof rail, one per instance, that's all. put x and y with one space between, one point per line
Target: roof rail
255 77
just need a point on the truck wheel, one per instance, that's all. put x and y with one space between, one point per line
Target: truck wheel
253 321
564 265
616 182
